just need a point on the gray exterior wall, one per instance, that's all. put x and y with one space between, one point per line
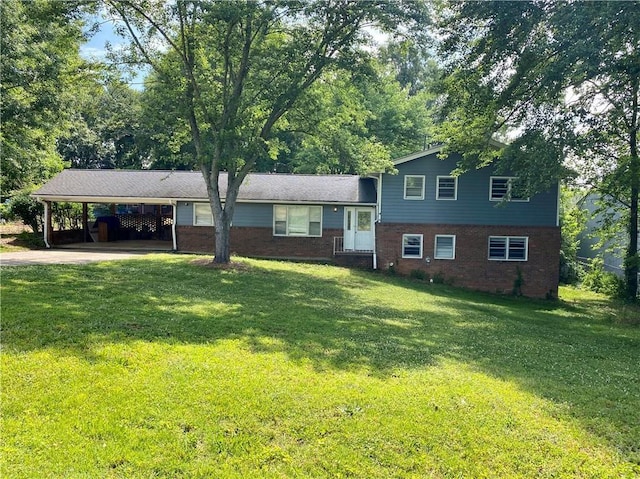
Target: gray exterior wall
260 215
472 207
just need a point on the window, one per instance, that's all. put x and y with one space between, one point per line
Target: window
445 247
414 187
505 188
509 248
412 246
447 188
297 220
202 215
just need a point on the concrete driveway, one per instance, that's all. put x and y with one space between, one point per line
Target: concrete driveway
62 256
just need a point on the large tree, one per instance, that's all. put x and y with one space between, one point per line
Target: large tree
237 67
561 80
40 72
106 128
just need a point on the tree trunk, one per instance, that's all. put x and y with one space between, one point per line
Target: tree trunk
632 260
222 250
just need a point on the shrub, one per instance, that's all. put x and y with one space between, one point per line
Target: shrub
438 277
28 209
601 281
419 274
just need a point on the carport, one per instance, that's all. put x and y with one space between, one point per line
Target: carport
139 215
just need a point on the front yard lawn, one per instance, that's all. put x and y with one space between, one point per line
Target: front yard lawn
163 367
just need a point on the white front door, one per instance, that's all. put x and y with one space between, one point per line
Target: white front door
358 229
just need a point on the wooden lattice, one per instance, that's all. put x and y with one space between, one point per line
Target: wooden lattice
146 226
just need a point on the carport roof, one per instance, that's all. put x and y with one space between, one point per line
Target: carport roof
161 187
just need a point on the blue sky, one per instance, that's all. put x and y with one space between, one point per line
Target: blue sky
95 48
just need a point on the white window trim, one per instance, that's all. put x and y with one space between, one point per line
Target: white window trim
508 240
286 235
405 187
435 246
421 246
508 195
195 216
455 188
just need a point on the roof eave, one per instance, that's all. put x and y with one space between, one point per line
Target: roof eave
105 199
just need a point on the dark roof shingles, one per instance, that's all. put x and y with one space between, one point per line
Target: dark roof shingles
190 185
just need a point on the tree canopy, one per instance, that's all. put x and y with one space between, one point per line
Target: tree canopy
40 73
237 68
561 81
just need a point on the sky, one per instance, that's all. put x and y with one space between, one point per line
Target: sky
95 48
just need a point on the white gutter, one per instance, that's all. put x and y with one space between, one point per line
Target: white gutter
174 207
378 215
46 223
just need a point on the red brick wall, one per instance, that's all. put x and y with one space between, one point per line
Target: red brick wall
246 241
471 268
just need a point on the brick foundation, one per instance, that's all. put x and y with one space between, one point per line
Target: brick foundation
259 242
471 268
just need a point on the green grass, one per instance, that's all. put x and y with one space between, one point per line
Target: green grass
159 367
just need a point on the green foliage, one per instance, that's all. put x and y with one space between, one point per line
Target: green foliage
560 80
162 367
41 73
229 72
600 281
573 219
518 283
106 129
438 277
28 209
31 240
66 216
419 274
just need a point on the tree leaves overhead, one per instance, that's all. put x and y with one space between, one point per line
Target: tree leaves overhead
41 69
236 68
561 78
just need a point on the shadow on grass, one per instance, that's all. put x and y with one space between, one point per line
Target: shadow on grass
570 353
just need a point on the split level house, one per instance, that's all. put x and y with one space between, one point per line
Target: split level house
472 230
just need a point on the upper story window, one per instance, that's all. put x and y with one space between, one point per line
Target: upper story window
412 246
294 220
202 215
508 248
446 188
414 187
502 188
445 247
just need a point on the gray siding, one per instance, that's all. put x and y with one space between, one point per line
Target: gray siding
260 215
472 206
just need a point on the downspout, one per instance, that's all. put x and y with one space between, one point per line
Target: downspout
377 220
174 205
46 222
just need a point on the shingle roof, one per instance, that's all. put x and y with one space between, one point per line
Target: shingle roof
156 186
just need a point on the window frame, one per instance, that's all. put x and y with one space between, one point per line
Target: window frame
453 247
287 234
196 215
507 195
455 187
414 198
507 248
406 235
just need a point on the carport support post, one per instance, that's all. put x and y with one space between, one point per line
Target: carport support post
85 221
48 229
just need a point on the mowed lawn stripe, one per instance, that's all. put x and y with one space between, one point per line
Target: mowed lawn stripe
164 367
